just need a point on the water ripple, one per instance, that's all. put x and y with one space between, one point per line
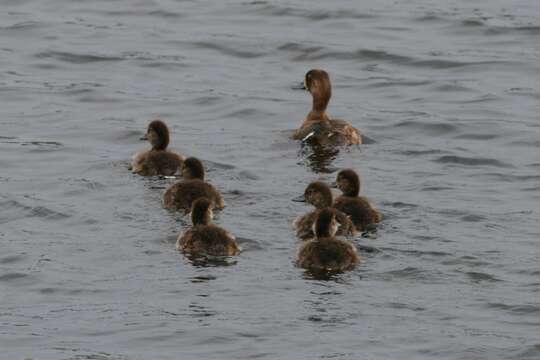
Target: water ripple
76 58
459 160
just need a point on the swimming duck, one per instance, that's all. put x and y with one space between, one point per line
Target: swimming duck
182 194
205 237
318 127
325 252
158 160
357 207
319 195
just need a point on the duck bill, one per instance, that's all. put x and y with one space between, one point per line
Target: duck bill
144 137
300 198
299 86
333 185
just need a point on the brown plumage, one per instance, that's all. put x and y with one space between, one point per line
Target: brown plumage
318 128
158 160
357 207
325 252
182 194
319 195
204 237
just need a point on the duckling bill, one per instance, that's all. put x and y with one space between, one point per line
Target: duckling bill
318 128
204 237
325 252
182 194
158 160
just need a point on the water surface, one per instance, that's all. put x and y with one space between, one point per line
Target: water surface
448 93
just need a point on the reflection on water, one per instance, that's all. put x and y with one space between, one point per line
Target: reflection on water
319 157
203 261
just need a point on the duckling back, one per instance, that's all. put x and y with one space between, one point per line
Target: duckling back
360 211
182 194
208 239
304 224
328 255
157 162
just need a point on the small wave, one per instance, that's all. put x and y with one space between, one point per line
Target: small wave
312 15
533 143
227 50
452 88
511 178
431 128
472 218
505 30
76 58
11 259
362 54
397 82
429 17
419 152
436 188
410 272
477 276
212 165
30 211
468 260
529 352
516 309
164 14
458 160
477 136
417 253
12 277
472 22
8 137
401 205
25 25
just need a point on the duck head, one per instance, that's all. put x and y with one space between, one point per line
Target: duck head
317 194
158 135
201 212
348 182
317 82
193 169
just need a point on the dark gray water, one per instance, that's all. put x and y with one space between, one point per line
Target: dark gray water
449 93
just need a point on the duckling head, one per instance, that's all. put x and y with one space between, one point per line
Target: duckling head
317 82
348 182
201 212
158 135
325 225
193 169
318 194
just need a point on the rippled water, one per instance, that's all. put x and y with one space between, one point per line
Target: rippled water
448 93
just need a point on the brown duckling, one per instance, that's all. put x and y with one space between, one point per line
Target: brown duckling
325 252
357 207
318 128
158 160
205 237
182 194
319 195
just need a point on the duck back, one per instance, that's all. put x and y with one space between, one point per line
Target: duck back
328 132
